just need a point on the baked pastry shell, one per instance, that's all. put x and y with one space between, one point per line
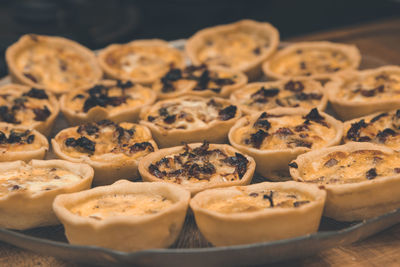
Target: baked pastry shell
348 110
44 127
215 132
125 233
194 188
26 41
271 160
97 113
351 51
259 226
109 170
355 201
111 74
25 155
253 69
23 209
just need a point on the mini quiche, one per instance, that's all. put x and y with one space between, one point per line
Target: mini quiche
198 166
311 59
21 143
258 213
190 119
240 46
113 150
27 190
113 100
292 93
199 80
368 91
362 180
124 216
276 137
141 61
30 107
52 63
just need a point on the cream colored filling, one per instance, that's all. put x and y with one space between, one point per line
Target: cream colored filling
15 147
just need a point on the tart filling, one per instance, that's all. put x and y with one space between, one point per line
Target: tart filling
312 59
199 80
141 61
305 93
53 63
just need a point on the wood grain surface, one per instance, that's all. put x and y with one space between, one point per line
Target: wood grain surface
379 39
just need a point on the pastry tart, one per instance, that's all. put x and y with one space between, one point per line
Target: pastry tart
362 180
240 46
124 216
30 107
52 63
368 91
113 150
276 137
113 100
292 93
199 80
190 119
21 143
311 59
258 213
141 61
27 190
198 166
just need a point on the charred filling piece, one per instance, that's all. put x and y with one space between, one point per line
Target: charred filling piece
288 131
16 137
200 164
258 201
107 137
350 167
200 78
26 107
191 113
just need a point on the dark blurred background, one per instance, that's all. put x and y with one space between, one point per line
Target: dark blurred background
97 23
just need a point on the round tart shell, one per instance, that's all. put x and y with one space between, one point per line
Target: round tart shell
23 209
194 188
272 160
355 201
125 233
260 226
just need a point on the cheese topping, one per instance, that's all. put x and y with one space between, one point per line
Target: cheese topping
382 85
103 139
190 113
122 205
35 179
194 79
55 66
114 98
24 108
380 129
140 62
310 61
14 139
200 165
286 131
246 202
351 167
234 49
301 93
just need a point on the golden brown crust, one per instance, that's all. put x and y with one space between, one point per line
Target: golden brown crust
121 233
24 209
345 57
269 224
197 185
87 63
258 30
125 101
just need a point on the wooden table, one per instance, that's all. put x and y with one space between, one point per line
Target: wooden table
381 40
